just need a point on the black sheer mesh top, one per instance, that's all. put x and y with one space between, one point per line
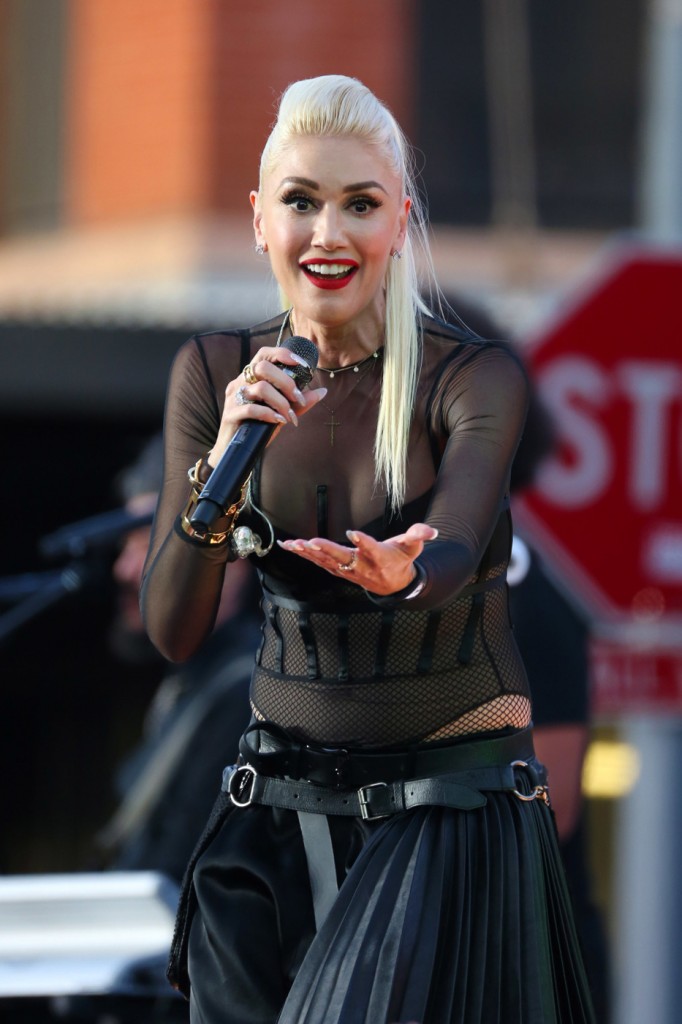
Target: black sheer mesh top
336 665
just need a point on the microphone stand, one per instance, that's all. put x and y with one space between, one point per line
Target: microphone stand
36 592
44 590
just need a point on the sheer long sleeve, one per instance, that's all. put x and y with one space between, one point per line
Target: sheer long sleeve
183 579
478 408
484 407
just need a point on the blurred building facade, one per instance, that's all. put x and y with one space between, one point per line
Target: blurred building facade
130 136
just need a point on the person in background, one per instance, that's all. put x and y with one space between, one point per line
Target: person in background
384 850
169 782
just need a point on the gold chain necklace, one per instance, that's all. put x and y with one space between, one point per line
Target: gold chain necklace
355 367
331 370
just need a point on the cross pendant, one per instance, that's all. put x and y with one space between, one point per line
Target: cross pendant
332 423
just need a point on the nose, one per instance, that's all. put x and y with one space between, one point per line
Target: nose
329 230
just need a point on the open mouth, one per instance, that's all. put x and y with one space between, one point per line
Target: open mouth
331 274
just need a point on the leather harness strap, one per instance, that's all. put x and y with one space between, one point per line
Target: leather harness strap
274 771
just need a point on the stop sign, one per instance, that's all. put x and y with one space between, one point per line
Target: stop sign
606 510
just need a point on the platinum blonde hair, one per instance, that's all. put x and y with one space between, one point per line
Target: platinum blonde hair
334 105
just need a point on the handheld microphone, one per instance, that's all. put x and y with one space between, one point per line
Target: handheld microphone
224 486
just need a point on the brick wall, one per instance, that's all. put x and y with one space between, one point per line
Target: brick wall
169 101
263 45
137 106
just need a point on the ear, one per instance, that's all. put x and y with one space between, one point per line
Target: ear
399 240
254 197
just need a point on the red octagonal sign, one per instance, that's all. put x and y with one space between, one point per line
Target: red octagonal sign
606 511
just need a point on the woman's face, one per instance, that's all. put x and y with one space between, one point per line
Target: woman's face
331 211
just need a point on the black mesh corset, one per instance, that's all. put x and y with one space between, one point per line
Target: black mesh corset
385 677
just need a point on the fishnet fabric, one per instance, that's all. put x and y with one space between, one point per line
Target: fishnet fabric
399 681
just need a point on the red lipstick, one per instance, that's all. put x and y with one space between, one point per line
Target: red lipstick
329 274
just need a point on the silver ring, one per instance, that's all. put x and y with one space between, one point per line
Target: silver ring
240 396
349 566
250 374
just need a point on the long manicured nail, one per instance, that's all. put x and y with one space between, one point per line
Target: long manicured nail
352 536
291 545
298 395
293 417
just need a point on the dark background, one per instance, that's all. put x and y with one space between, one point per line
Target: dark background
586 79
70 709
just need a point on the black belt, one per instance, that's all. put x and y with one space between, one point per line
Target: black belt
462 790
375 785
272 752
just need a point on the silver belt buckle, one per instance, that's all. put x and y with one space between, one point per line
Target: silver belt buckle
538 792
365 810
243 776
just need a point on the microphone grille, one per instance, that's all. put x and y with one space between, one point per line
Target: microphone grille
304 348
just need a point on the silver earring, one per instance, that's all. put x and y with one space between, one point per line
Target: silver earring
396 254
260 249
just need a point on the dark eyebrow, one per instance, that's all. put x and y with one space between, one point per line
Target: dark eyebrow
300 181
359 186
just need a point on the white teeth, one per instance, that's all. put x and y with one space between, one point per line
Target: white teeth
328 269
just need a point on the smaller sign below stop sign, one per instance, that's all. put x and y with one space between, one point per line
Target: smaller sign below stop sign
634 676
606 510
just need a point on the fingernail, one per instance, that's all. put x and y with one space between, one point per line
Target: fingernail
280 418
322 392
293 417
313 547
353 537
299 359
298 395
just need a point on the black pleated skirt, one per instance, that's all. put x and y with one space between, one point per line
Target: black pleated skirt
443 916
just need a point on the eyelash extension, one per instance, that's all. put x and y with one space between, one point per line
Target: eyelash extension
367 200
291 197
